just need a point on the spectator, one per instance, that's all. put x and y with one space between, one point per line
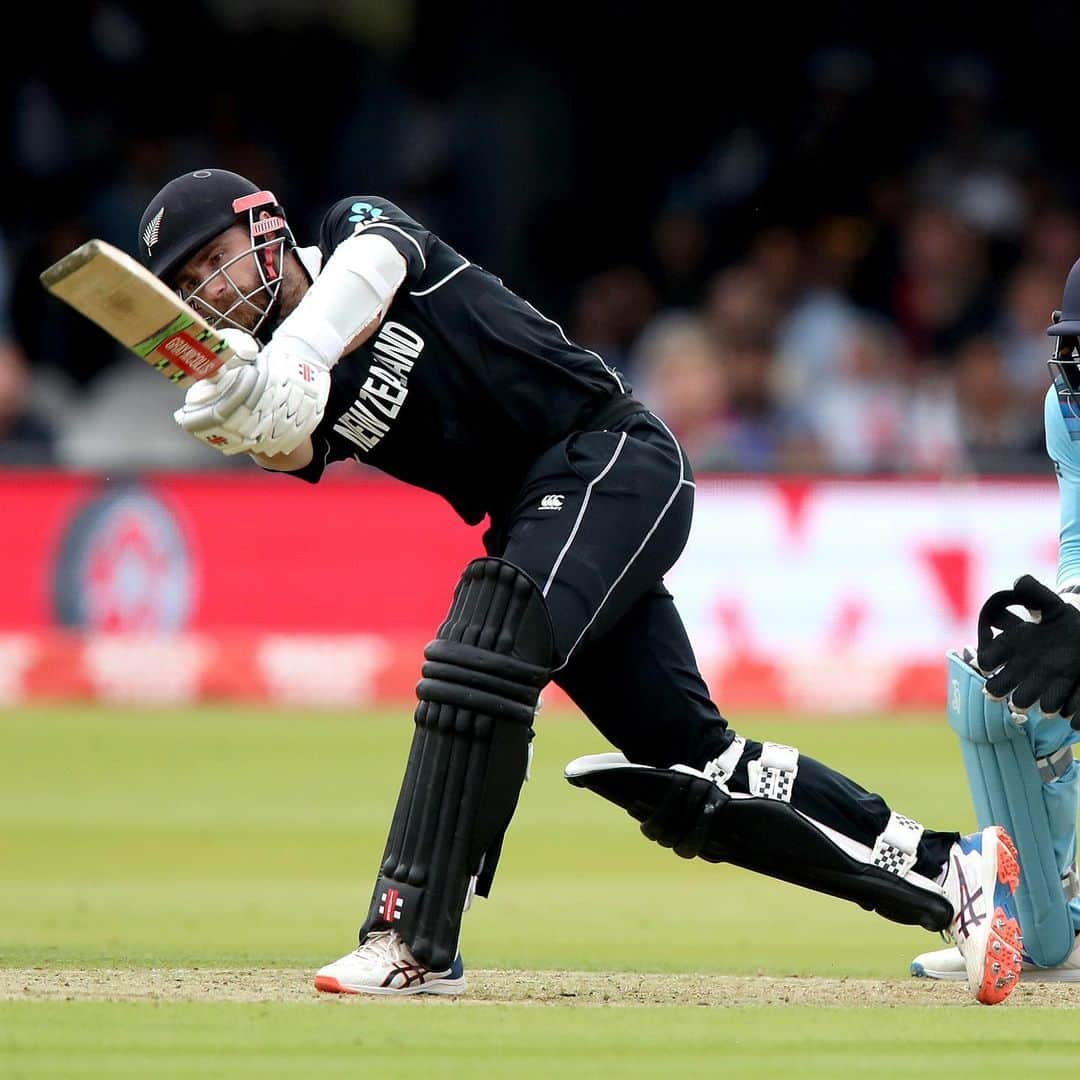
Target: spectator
998 432
859 412
777 254
1032 293
25 439
612 309
820 319
741 310
66 352
678 373
1052 240
764 433
678 256
943 293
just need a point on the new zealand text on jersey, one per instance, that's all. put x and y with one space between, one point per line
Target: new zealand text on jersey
383 393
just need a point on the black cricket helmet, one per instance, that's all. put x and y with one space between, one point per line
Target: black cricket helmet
1065 327
188 212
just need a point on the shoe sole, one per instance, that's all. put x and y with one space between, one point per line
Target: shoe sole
327 984
920 971
1029 973
1002 961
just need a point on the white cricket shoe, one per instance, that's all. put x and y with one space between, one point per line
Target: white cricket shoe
384 965
982 876
948 966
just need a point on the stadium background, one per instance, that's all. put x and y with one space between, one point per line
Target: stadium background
824 246
823 240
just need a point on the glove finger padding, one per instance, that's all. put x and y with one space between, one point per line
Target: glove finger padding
209 403
1005 646
1028 691
1054 696
1036 597
1003 682
1071 709
288 410
241 342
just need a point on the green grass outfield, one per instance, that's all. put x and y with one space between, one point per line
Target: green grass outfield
235 838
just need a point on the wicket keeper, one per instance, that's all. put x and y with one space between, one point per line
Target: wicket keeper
1017 706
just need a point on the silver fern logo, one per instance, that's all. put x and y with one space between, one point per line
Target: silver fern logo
153 228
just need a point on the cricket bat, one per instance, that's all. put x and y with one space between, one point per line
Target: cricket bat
111 289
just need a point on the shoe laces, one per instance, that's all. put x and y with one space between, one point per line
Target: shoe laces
384 945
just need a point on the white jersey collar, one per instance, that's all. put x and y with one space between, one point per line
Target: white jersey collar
311 259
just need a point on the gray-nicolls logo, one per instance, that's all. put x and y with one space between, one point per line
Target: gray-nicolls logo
153 230
551 502
955 695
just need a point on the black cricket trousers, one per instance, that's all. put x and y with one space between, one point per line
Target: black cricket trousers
599 520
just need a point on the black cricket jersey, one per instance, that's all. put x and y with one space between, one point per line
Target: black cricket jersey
464 385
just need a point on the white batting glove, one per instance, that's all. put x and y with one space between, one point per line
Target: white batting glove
210 403
268 406
282 412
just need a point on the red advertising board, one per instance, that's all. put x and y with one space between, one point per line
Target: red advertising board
207 552
810 594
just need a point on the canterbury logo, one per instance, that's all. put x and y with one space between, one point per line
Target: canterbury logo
152 230
551 502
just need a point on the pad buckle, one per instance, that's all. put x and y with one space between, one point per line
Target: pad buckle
772 776
896 849
720 769
1054 766
1070 883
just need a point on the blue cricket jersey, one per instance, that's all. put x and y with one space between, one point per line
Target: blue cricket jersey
1063 446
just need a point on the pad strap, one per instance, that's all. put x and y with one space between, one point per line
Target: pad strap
897 848
1054 766
1070 883
719 770
772 776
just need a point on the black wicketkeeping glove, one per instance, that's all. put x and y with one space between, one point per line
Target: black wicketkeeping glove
1038 661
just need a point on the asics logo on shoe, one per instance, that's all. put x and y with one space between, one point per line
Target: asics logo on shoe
551 502
403 975
967 913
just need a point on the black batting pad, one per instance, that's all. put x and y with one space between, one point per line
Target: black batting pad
470 750
687 812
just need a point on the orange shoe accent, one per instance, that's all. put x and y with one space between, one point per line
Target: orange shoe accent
1001 974
1008 861
329 985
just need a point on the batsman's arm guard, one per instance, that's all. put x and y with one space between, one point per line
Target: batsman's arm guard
692 812
1033 797
469 756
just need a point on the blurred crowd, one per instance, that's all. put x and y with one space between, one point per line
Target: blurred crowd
852 274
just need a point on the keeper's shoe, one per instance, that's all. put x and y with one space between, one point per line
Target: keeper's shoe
982 876
948 965
383 964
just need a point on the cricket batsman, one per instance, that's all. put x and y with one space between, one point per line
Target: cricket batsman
1015 703
384 344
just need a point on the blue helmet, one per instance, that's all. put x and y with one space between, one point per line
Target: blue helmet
1064 361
